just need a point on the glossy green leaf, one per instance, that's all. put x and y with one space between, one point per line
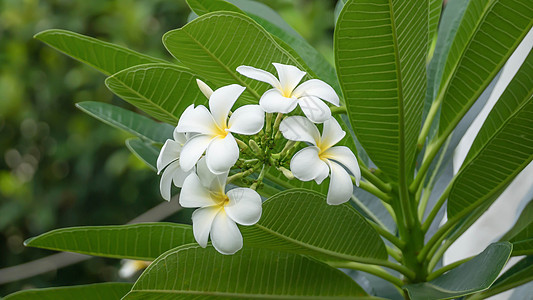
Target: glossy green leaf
301 221
161 90
521 235
215 44
473 276
105 57
201 7
435 7
138 125
147 153
502 148
520 273
192 272
97 291
380 54
488 34
144 241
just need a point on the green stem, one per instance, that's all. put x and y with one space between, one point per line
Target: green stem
268 127
280 182
373 190
338 110
427 124
436 208
437 252
259 178
370 269
239 175
368 175
389 236
394 253
447 268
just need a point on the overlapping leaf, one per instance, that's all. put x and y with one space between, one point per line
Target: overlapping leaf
503 147
147 153
521 235
520 273
215 44
473 276
435 7
98 291
192 272
161 90
488 34
106 57
380 52
302 221
128 121
144 241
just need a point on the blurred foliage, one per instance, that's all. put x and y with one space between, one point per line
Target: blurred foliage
58 166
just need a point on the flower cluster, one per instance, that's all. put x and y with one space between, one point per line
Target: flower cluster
215 148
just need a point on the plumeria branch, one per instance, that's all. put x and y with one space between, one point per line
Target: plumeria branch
389 236
368 175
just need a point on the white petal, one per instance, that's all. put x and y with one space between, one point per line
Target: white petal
179 137
345 157
178 176
340 185
225 234
194 194
216 183
202 220
317 88
260 75
244 206
272 102
300 129
198 120
222 154
289 76
204 88
332 133
315 109
193 150
165 185
248 120
169 153
306 165
221 102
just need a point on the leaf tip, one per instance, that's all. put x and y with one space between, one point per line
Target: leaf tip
27 242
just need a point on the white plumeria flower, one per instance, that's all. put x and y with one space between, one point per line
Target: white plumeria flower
322 158
214 131
286 92
218 211
169 158
131 267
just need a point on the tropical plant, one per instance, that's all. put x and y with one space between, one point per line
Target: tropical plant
400 96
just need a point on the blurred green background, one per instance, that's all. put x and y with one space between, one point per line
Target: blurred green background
58 166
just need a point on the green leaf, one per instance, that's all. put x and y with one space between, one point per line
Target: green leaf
215 44
138 125
201 7
520 273
145 152
144 241
435 7
488 34
473 276
192 272
380 54
161 90
521 235
301 221
502 148
105 57
98 291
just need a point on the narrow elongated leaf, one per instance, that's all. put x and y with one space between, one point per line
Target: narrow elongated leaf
521 235
144 241
97 291
473 276
105 57
192 272
380 54
302 221
145 152
128 121
435 7
488 34
215 44
161 90
502 148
